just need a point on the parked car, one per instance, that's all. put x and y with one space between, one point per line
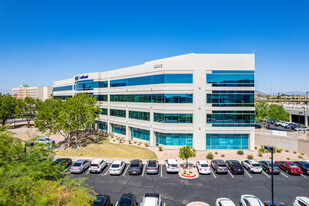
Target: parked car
80 166
152 167
97 165
271 121
276 203
304 166
171 166
289 167
252 166
266 165
289 125
294 126
235 167
136 167
44 140
152 199
117 167
102 200
257 126
250 200
203 167
219 166
127 199
301 201
284 124
64 162
278 123
224 202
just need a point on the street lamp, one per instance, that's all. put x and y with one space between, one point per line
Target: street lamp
271 149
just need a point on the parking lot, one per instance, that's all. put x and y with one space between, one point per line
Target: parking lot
207 188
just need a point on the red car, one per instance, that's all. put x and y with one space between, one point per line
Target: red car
289 167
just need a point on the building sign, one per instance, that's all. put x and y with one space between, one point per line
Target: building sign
156 66
82 77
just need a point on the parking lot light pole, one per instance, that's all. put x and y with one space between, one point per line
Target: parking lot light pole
271 149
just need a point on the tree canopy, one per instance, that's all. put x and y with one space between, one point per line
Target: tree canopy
28 108
67 117
186 152
265 111
8 108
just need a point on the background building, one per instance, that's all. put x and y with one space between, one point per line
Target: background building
24 90
202 100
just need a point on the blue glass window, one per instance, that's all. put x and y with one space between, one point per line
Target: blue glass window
173 118
152 98
119 129
118 113
104 111
139 115
101 97
231 118
174 139
62 97
154 79
102 125
231 98
231 78
227 141
64 88
86 85
140 134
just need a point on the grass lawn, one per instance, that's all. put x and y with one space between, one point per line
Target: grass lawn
109 150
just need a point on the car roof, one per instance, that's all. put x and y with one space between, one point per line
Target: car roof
80 161
219 161
253 200
289 162
203 162
253 161
117 162
172 161
233 161
303 162
304 199
97 161
136 160
226 201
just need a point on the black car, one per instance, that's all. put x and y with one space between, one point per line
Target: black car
276 203
219 166
266 165
235 167
102 200
127 199
257 126
64 162
304 166
136 167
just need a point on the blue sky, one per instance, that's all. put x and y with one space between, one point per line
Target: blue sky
45 41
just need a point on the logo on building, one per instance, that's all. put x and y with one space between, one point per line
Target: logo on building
82 77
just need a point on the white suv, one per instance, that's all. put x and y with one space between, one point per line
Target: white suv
171 165
117 168
97 165
203 167
252 166
224 202
301 201
250 200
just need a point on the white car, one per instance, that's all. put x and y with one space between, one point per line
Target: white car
152 199
284 124
224 202
250 200
203 167
117 167
44 140
301 201
97 166
252 166
171 166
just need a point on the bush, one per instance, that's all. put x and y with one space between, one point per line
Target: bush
269 158
300 157
286 150
250 157
139 143
222 155
146 144
216 152
294 152
302 153
120 140
279 150
288 158
275 149
262 150
210 156
260 154
255 147
130 141
240 152
160 148
266 151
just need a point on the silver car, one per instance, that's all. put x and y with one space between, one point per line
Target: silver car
80 166
152 167
44 140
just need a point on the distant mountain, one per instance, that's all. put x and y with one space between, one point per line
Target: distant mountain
256 93
296 93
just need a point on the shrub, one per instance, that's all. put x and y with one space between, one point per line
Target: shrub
240 152
279 150
269 158
260 154
160 148
210 156
300 157
184 172
250 157
120 140
288 158
266 151
262 150
139 143
146 144
294 152
190 172
262 146
222 155
255 147
286 150
216 152
114 140
302 153
274 149
130 141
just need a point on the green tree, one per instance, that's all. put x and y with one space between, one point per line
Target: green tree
28 108
67 117
8 108
261 111
28 177
186 152
277 112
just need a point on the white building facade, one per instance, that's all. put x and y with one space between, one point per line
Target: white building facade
202 100
24 90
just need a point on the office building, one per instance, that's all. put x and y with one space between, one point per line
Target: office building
24 90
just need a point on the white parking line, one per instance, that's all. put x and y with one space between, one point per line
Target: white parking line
284 174
303 176
161 170
164 204
125 171
266 174
116 203
230 173
108 167
213 173
248 173
144 168
87 172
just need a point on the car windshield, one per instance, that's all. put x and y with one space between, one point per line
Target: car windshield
77 164
204 165
125 201
134 165
221 165
256 165
236 164
293 165
273 165
115 166
99 201
173 165
152 164
306 165
94 165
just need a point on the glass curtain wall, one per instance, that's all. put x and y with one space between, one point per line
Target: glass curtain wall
139 115
64 88
102 125
227 141
86 85
174 139
119 129
231 78
173 118
152 98
117 113
231 98
140 134
231 118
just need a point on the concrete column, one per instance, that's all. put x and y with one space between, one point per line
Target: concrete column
290 117
306 121
252 140
128 132
152 138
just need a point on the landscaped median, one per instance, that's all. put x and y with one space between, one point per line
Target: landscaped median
188 172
